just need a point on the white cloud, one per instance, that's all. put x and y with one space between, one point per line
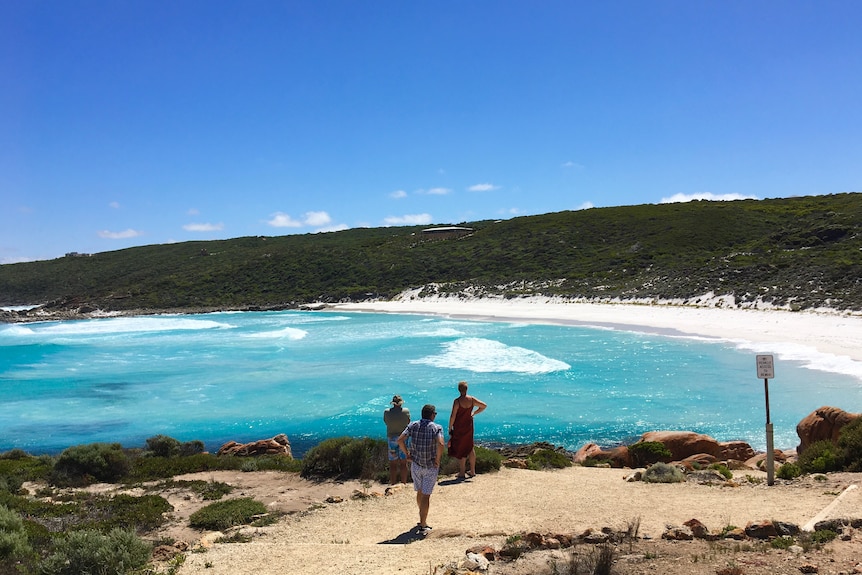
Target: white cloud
483 188
193 211
282 220
435 191
679 198
408 220
115 205
572 165
207 227
313 219
129 233
398 194
585 206
316 219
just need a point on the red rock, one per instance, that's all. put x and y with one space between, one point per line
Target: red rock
684 444
278 445
738 450
698 529
824 423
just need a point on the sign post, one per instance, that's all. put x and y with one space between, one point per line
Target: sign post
766 371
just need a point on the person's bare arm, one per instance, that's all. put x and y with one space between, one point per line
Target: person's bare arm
479 405
440 446
452 416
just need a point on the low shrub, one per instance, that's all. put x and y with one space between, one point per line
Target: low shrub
723 469
347 458
822 536
820 457
14 544
84 464
663 473
644 453
788 471
850 444
548 458
143 513
163 446
487 460
191 448
224 514
88 551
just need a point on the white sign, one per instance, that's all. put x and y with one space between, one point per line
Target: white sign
765 367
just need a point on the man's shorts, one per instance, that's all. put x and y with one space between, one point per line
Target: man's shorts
394 452
424 478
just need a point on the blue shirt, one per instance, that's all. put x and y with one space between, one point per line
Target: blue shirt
424 440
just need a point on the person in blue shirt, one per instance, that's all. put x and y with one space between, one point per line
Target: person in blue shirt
424 455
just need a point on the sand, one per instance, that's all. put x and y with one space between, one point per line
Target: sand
826 331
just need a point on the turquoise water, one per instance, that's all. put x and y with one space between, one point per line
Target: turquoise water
313 375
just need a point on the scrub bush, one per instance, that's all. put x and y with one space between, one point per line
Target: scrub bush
487 460
723 469
644 453
663 473
820 457
850 443
115 553
163 446
14 544
224 514
788 471
346 458
84 464
548 458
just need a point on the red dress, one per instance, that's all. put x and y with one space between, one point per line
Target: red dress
461 438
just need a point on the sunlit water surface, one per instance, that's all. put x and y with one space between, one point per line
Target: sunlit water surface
313 375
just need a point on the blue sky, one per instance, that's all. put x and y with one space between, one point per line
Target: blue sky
127 123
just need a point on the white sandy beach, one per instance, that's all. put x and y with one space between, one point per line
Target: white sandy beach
828 332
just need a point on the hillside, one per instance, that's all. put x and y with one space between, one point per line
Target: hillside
803 252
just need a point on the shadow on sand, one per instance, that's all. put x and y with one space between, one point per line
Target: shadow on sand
415 534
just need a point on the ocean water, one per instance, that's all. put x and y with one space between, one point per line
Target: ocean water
313 375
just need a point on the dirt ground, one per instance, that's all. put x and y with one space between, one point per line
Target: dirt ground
324 530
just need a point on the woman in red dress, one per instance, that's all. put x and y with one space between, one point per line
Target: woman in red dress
461 429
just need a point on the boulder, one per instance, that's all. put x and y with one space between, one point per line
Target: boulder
698 529
738 450
278 445
761 529
824 423
616 456
684 444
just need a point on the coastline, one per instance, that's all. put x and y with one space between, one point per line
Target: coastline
825 331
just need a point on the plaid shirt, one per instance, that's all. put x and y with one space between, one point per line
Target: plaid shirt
423 436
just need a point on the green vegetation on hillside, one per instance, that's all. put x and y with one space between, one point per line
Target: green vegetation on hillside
803 252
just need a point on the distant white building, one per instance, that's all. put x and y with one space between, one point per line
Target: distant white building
446 232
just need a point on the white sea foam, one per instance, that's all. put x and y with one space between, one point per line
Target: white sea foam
128 325
440 332
486 356
291 333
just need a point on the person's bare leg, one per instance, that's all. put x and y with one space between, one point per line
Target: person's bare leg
424 503
393 472
403 464
473 461
462 465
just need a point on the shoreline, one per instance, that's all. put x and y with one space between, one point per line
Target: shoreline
827 332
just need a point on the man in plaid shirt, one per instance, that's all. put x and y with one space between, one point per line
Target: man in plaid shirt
426 451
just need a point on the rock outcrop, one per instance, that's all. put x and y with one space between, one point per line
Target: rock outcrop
278 445
683 444
824 423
